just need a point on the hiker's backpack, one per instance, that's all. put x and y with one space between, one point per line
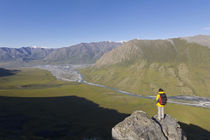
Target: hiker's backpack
163 99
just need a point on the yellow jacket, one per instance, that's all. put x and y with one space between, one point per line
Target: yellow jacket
157 99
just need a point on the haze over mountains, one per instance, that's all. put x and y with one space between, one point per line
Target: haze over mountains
143 66
84 53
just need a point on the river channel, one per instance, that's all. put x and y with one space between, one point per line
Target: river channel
70 73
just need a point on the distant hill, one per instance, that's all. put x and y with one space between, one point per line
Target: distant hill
143 66
199 39
84 53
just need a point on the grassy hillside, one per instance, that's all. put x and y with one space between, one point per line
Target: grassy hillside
33 104
143 66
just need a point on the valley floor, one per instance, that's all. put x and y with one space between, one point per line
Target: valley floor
35 105
70 73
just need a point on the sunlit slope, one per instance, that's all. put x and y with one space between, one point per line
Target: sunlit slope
143 66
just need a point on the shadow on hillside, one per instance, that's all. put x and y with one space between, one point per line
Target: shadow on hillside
55 118
6 72
65 118
194 132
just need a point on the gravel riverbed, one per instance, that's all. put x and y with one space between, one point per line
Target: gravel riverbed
70 73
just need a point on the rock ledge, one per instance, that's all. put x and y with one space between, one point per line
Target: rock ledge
139 127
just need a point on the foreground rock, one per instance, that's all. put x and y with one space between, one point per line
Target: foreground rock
171 128
139 127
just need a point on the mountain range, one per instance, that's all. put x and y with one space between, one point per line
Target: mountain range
181 66
25 54
84 53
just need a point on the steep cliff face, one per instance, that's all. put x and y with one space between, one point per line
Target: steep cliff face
139 127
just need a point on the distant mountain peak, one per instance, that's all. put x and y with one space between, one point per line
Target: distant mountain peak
37 47
122 41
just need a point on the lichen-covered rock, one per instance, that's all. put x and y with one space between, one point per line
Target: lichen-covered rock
171 128
139 127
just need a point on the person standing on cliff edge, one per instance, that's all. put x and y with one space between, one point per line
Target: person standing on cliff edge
161 100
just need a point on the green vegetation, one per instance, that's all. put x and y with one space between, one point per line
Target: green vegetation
63 110
143 66
175 79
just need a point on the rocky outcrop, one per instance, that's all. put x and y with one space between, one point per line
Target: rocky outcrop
139 127
171 128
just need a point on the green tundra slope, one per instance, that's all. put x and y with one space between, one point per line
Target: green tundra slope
143 66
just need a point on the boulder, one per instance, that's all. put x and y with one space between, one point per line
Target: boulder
171 128
138 126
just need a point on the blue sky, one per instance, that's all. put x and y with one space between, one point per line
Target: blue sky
60 23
